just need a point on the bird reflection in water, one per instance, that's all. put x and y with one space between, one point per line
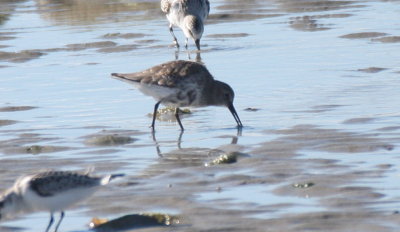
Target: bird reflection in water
234 140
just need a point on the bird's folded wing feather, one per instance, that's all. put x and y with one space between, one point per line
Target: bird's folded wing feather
167 75
48 184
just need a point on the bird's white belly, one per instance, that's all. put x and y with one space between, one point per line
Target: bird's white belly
175 18
174 97
59 201
157 92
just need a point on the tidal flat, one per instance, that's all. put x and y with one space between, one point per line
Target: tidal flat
316 88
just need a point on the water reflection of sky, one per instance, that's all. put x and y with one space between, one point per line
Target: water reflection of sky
253 196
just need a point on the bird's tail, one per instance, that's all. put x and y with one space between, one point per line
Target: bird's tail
131 78
105 180
117 75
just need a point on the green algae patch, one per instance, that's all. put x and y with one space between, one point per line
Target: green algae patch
228 158
109 140
303 185
167 113
34 149
162 219
133 221
169 110
37 149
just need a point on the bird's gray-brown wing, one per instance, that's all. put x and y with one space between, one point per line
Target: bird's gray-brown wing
195 7
165 6
169 74
208 7
47 184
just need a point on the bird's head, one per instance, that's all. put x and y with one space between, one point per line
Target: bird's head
193 28
10 205
5 206
224 96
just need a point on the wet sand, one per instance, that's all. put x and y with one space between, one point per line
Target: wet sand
316 86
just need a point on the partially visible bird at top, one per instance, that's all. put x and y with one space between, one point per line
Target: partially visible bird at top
189 15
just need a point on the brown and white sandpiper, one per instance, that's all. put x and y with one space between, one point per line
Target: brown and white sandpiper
52 191
182 84
189 15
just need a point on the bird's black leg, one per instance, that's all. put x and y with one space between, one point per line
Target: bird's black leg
50 222
177 55
173 35
239 130
180 140
186 43
198 57
59 222
197 42
178 119
153 134
155 114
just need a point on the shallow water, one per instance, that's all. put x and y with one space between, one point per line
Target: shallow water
321 79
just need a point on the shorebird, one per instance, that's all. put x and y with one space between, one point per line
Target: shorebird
181 84
52 191
189 15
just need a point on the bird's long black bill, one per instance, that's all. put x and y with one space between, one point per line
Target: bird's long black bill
235 115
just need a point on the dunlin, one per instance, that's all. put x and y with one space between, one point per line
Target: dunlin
52 191
189 15
182 84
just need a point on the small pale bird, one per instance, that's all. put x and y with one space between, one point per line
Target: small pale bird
52 191
189 15
182 84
